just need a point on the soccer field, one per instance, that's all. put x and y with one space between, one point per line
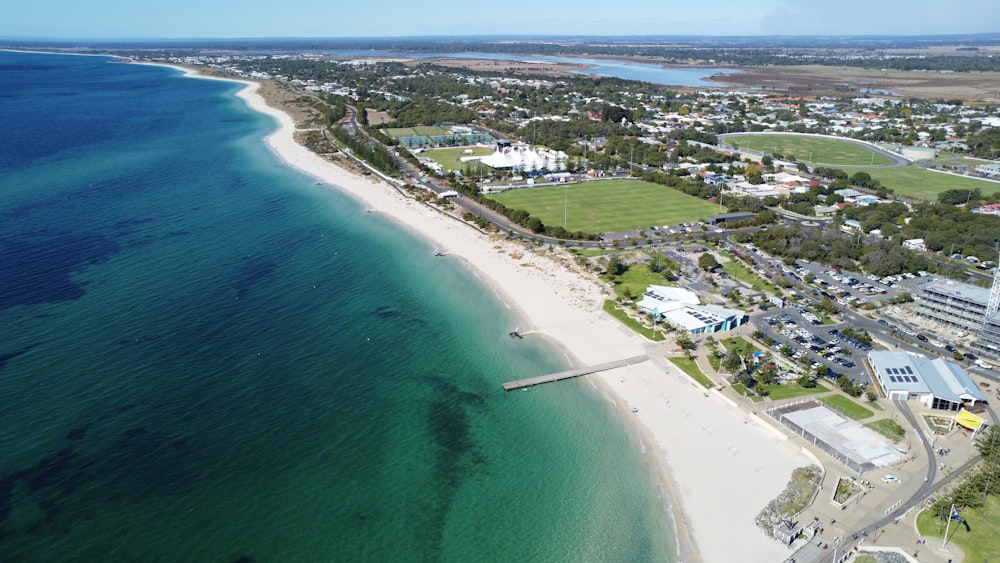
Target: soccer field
608 205
914 181
450 159
812 149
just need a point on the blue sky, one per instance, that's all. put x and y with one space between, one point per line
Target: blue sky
339 18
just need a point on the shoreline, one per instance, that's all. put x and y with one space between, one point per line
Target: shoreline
707 489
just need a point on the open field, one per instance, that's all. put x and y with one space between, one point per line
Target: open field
608 205
818 80
830 152
450 159
917 182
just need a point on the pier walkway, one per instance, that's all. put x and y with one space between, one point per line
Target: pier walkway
521 383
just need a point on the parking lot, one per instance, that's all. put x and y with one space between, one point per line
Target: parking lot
799 329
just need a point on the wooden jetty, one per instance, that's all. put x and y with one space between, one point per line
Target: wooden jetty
522 383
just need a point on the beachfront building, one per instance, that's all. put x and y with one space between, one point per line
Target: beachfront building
962 308
681 308
937 383
959 306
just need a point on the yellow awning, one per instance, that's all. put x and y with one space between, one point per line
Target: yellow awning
968 420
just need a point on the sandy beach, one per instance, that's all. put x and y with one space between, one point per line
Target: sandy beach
719 463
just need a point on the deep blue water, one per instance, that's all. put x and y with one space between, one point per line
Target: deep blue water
204 356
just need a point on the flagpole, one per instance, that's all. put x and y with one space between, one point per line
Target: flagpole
946 528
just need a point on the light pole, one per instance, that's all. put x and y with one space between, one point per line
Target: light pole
565 206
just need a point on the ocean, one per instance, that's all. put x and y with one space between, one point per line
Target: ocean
206 356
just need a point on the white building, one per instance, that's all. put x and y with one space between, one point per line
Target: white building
681 308
937 383
915 244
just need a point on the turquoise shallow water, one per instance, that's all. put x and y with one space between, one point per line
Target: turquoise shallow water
206 357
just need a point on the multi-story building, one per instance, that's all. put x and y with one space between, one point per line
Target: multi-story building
963 308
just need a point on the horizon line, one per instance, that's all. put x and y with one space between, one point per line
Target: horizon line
431 37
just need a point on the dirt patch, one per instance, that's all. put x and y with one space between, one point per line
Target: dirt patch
808 81
376 117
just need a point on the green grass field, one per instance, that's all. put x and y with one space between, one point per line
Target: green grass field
432 130
739 345
636 279
833 152
980 542
450 159
608 205
779 391
847 407
397 132
917 182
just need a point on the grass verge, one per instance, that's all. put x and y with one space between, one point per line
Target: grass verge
691 368
611 308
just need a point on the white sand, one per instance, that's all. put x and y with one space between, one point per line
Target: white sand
721 469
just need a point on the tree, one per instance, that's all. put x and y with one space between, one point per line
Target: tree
684 341
732 362
707 262
616 267
807 380
753 174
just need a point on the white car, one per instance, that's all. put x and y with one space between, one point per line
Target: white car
890 479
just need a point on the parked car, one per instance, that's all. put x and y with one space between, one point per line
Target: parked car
890 479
